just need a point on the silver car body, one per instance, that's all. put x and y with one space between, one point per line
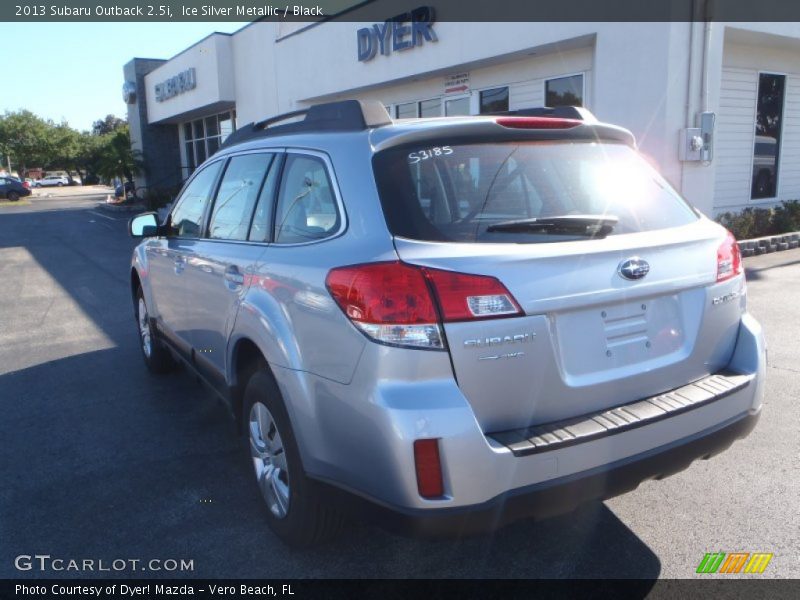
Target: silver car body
590 340
52 180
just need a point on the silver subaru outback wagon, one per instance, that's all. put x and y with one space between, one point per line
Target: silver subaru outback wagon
448 324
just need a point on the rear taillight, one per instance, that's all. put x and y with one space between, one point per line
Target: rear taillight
538 123
729 259
466 297
390 302
428 466
26 185
405 305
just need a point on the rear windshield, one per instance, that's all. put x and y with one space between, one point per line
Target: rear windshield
456 192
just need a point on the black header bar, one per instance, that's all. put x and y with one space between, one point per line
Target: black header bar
374 11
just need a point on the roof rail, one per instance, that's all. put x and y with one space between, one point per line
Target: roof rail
555 112
346 115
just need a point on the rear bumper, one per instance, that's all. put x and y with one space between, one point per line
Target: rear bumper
553 497
361 434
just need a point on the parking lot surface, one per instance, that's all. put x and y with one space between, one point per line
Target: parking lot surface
101 460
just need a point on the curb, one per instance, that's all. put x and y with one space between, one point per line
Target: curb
121 208
771 243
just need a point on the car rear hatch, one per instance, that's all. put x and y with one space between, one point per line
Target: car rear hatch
605 317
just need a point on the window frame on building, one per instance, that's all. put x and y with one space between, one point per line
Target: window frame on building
481 91
209 143
439 99
546 80
455 97
396 109
475 97
779 142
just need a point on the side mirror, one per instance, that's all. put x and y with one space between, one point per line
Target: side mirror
144 225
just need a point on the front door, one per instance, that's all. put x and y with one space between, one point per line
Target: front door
168 257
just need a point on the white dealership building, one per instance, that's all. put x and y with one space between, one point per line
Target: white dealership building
656 79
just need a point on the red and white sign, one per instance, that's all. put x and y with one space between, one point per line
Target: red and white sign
457 83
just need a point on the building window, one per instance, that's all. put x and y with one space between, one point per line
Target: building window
203 137
430 108
407 110
456 107
766 147
494 100
564 91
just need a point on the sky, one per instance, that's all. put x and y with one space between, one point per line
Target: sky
73 71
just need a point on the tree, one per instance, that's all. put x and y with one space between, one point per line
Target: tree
87 156
64 147
108 125
116 158
32 141
26 138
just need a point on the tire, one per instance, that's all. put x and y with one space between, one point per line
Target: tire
12 196
156 356
59 184
295 509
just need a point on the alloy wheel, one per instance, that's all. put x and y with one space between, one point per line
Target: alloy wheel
144 329
269 460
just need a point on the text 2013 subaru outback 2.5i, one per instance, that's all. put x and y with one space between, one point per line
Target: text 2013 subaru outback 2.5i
450 323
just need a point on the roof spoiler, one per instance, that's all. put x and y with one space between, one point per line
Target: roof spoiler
556 112
346 115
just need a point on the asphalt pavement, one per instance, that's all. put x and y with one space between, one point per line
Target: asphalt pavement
101 460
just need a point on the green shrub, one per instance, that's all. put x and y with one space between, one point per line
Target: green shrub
786 217
759 222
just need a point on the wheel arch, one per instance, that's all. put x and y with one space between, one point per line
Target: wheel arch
245 358
136 283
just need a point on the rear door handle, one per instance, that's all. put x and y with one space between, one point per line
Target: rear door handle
234 277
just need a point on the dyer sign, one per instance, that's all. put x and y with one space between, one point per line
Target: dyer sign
402 32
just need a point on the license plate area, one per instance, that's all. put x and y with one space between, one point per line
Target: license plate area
615 336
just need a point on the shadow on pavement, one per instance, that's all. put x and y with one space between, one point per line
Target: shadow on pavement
755 272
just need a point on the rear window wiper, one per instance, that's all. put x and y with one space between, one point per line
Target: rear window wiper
588 225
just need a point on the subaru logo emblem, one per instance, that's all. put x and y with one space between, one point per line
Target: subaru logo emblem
633 268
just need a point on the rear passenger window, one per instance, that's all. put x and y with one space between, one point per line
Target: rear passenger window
237 195
307 207
261 227
187 217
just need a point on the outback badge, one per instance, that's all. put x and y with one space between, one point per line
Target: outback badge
633 268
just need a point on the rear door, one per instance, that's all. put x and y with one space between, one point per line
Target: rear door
608 320
223 261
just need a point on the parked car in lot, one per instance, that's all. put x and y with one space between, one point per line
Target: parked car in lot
13 189
448 324
52 180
